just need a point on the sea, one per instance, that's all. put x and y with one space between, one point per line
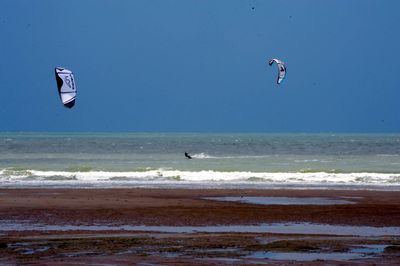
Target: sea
228 160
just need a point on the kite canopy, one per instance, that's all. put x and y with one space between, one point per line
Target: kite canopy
66 86
281 69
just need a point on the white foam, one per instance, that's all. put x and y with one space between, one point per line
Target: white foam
202 156
209 176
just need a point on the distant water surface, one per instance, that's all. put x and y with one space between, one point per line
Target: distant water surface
219 160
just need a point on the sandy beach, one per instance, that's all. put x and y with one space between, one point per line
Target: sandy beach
181 132
122 226
188 207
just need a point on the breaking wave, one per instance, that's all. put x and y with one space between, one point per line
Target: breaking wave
8 177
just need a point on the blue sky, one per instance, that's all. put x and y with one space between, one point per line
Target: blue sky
186 65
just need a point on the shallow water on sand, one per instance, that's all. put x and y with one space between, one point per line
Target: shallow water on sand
283 200
277 228
364 251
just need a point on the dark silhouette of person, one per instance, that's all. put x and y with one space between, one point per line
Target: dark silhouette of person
188 156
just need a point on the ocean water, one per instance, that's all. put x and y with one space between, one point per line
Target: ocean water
219 160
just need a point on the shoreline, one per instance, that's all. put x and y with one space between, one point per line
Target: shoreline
204 186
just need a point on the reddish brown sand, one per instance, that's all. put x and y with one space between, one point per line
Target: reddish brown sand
180 207
186 207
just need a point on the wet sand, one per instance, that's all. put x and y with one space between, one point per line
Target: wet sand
185 207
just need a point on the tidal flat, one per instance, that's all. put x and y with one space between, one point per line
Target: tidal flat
125 226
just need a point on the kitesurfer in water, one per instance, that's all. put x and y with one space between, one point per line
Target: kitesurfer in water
188 156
